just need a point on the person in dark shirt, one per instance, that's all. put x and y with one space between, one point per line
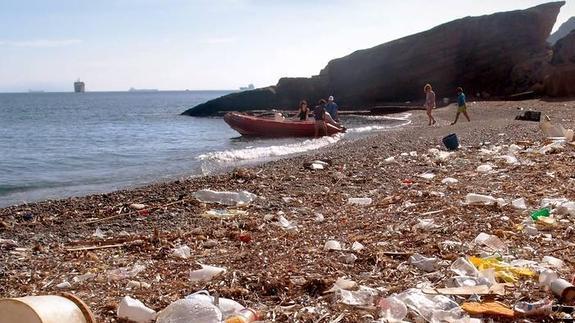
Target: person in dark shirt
303 110
331 108
319 117
461 105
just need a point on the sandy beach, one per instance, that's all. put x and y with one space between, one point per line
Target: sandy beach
285 273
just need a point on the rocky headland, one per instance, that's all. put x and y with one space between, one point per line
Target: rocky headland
491 56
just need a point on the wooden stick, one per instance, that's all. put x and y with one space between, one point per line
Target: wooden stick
97 247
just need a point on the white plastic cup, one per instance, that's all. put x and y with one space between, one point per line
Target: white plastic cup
45 309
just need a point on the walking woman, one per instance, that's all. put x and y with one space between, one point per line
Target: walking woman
429 102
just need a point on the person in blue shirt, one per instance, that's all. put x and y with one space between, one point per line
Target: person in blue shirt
461 105
331 108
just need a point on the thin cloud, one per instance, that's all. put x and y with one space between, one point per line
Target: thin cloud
219 40
42 43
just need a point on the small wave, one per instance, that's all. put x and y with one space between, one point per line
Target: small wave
400 117
254 153
377 128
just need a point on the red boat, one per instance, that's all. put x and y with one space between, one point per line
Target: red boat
274 127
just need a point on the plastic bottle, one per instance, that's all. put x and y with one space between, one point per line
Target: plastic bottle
544 212
246 315
225 198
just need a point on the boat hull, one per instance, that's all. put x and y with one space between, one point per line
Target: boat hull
263 127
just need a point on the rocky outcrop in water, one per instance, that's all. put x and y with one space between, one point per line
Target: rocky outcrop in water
498 55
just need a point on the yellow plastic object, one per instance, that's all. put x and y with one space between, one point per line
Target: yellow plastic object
503 271
488 308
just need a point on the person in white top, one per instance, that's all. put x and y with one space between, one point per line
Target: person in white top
429 102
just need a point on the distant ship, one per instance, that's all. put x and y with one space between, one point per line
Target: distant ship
249 87
142 90
79 86
35 91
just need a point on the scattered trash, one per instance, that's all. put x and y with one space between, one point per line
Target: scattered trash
319 217
98 233
392 308
225 305
64 308
364 296
137 206
64 285
83 278
488 308
540 308
490 241
541 213
427 176
342 283
564 290
225 198
529 116
433 308
134 310
317 165
364 201
503 271
478 199
285 224
553 262
125 272
484 168
451 142
424 263
206 273
132 284
519 204
356 246
426 225
449 181
183 252
224 213
389 160
332 245
246 315
190 310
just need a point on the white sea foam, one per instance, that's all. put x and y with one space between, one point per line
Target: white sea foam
400 117
253 153
377 128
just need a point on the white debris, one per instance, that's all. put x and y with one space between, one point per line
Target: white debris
519 204
484 168
359 201
356 246
206 273
427 176
135 311
332 245
183 252
449 181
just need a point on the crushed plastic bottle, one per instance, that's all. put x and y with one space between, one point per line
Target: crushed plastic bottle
225 198
463 267
364 296
546 277
363 201
227 306
133 310
540 308
490 241
190 310
478 199
392 309
206 273
183 252
519 204
125 272
437 308
427 264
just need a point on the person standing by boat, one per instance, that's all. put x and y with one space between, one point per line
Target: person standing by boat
331 108
461 105
303 110
319 115
429 102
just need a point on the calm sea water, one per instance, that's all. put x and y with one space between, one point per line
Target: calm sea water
54 145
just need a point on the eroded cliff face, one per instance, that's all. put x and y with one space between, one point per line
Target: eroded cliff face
560 79
495 54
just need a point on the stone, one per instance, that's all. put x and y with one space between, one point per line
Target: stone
477 53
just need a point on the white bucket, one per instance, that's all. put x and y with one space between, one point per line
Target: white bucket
45 309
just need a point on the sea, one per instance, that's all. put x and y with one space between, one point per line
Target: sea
57 145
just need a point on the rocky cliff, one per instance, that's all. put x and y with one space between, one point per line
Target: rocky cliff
560 79
563 31
493 54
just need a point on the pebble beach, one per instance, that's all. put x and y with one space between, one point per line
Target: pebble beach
274 249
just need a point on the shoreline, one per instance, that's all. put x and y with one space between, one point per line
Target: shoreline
283 271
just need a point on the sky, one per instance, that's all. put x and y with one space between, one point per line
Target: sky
113 45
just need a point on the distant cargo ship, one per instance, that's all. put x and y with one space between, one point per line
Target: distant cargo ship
79 86
142 90
249 87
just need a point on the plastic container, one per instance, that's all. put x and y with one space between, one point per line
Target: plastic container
225 198
135 311
541 213
247 315
451 142
190 310
64 308
564 290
